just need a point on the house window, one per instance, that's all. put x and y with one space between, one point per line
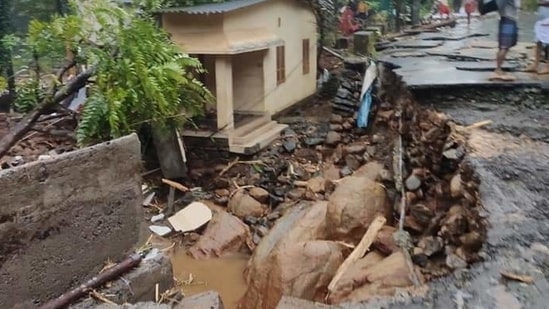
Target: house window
306 58
280 65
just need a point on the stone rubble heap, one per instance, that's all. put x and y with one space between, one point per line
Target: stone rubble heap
300 205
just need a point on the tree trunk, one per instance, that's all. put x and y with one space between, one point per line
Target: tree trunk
6 65
416 7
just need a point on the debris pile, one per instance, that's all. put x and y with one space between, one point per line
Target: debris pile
347 99
51 135
325 189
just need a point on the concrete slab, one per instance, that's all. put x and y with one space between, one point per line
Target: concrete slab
473 53
63 217
448 76
406 53
483 66
443 36
415 44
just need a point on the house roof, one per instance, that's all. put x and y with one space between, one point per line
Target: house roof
228 43
213 8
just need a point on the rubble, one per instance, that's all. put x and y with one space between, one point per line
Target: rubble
225 234
353 206
242 204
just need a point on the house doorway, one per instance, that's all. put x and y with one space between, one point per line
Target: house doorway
248 84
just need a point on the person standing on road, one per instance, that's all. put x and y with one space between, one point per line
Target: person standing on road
507 37
470 7
541 30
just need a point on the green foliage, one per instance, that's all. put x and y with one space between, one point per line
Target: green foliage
530 5
3 84
28 95
141 77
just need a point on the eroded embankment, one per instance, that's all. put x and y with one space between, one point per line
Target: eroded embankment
330 181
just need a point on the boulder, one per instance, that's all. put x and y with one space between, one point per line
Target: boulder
317 185
224 234
209 300
354 274
303 222
371 170
456 188
305 269
260 194
333 138
302 269
376 278
385 241
242 205
353 206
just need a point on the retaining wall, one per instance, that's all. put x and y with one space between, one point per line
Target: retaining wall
61 218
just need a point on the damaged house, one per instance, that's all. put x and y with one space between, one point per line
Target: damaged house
260 58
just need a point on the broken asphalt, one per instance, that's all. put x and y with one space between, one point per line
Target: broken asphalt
511 158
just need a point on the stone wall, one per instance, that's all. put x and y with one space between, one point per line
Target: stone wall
61 218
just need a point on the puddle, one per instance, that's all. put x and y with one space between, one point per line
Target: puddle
223 275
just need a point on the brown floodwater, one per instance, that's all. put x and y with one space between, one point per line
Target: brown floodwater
224 275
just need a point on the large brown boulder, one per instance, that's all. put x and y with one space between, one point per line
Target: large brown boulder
354 204
373 276
225 234
302 270
242 205
302 223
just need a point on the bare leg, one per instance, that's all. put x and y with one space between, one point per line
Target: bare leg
498 73
545 68
537 56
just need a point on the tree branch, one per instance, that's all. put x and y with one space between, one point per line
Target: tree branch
23 126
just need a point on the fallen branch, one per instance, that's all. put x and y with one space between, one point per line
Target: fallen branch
98 280
24 126
102 298
237 161
359 250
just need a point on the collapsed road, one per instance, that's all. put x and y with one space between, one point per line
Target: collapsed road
475 194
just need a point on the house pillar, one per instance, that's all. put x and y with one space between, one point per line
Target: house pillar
224 92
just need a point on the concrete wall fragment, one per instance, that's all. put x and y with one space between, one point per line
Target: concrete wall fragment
61 218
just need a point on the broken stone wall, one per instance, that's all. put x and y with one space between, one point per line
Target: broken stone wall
62 218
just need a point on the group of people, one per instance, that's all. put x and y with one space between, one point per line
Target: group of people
508 37
443 9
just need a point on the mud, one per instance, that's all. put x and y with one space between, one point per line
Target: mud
224 275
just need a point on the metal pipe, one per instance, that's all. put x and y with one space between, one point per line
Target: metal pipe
112 273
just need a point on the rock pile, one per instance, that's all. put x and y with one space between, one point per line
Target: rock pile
346 101
328 181
50 137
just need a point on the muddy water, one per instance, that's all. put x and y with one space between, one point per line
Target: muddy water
223 275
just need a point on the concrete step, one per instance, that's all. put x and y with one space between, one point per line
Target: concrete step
257 131
252 125
259 142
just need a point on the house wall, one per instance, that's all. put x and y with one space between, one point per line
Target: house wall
61 218
248 81
180 24
296 23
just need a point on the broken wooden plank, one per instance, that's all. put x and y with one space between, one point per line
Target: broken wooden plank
359 250
175 185
517 277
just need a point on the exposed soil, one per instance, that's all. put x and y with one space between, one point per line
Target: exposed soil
52 135
443 220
